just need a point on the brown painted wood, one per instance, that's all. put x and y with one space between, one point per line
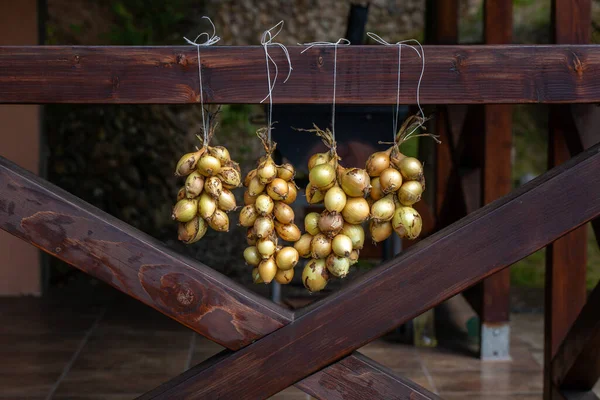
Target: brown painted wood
357 377
497 163
87 238
576 365
430 272
366 75
565 292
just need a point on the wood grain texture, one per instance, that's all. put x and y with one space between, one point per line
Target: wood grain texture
576 365
428 273
566 258
366 75
357 377
133 262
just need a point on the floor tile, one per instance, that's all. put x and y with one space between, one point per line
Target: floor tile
291 393
399 357
488 381
480 396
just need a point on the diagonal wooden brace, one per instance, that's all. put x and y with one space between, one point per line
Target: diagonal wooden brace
439 267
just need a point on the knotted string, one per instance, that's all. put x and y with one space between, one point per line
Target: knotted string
210 40
335 45
421 55
266 41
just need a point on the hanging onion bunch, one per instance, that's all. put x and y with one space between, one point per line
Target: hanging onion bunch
269 217
398 184
333 238
206 197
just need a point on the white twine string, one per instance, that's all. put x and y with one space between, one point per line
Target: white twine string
335 45
421 55
210 40
266 41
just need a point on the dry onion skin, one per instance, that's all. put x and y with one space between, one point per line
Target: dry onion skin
269 216
206 198
397 183
334 237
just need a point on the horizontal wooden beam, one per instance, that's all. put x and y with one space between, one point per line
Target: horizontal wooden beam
87 238
357 377
576 365
428 273
365 74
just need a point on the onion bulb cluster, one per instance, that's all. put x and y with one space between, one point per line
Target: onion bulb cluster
206 198
269 217
334 237
397 184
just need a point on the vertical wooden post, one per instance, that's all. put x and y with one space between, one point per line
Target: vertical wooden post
496 182
20 272
566 257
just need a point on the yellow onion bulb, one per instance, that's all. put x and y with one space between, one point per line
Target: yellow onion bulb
226 201
410 193
378 162
255 187
356 210
380 230
266 171
185 210
187 163
263 226
256 276
383 209
411 168
267 270
181 194
317 159
286 172
313 195
230 177
192 231
194 184
219 152
303 245
341 245
376 192
266 247
287 232
292 193
251 238
252 256
264 204
219 221
287 258
355 182
311 223
354 257
278 189
249 177
213 186
322 176
320 246
249 199
315 275
390 180
356 233
248 216
209 165
283 213
407 222
284 276
330 223
338 266
335 199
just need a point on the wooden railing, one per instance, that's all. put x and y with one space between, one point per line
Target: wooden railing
271 348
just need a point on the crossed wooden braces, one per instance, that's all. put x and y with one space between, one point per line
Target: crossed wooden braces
270 347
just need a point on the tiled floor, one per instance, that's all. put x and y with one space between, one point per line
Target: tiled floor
106 346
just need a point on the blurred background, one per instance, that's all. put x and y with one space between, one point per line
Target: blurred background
121 158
